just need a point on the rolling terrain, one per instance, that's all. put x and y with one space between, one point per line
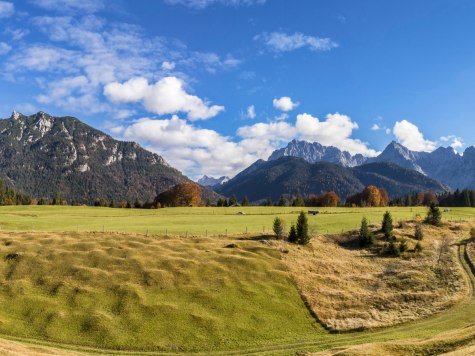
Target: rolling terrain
105 291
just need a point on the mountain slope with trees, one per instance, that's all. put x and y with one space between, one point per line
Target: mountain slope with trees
295 176
46 156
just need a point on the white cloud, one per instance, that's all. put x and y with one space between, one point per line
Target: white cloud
4 48
167 96
336 131
104 53
250 112
285 104
197 151
283 42
88 6
453 141
376 127
166 65
409 136
7 9
388 131
191 149
201 4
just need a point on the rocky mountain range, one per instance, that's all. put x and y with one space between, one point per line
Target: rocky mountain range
443 164
211 182
293 175
44 155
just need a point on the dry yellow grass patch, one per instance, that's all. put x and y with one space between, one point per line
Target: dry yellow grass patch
350 288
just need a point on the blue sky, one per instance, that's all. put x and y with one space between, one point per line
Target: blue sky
213 85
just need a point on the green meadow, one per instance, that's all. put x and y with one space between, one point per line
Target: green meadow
108 280
198 221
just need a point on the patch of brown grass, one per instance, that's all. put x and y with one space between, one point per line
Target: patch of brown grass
350 288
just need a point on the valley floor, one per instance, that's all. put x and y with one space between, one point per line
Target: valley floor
116 292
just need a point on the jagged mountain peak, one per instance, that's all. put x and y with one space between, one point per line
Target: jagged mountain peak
42 155
314 152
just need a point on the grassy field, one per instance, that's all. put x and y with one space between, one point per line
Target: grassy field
197 221
61 289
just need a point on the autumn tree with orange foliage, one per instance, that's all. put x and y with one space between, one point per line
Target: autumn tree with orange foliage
184 194
371 196
330 199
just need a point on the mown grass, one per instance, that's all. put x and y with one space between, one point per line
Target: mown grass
198 221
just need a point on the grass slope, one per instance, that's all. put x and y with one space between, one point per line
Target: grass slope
350 288
137 293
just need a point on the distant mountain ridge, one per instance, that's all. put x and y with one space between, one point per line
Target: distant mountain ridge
315 152
443 164
211 182
43 155
292 175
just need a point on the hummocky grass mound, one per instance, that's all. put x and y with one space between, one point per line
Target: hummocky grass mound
351 288
146 293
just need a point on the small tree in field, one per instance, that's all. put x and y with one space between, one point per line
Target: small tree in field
365 237
418 234
278 228
434 216
393 249
387 226
303 237
245 201
292 234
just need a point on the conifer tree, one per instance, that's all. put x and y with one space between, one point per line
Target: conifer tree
278 228
282 201
387 225
303 237
245 201
434 216
292 234
365 237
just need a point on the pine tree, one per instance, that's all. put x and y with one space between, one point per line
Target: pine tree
434 216
365 237
393 249
298 201
292 234
418 234
269 202
245 201
282 201
232 200
387 225
302 229
278 228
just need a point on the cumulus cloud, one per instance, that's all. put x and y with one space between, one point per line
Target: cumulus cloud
284 103
335 130
191 149
167 96
409 136
7 9
4 48
376 127
201 4
284 42
453 141
197 151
